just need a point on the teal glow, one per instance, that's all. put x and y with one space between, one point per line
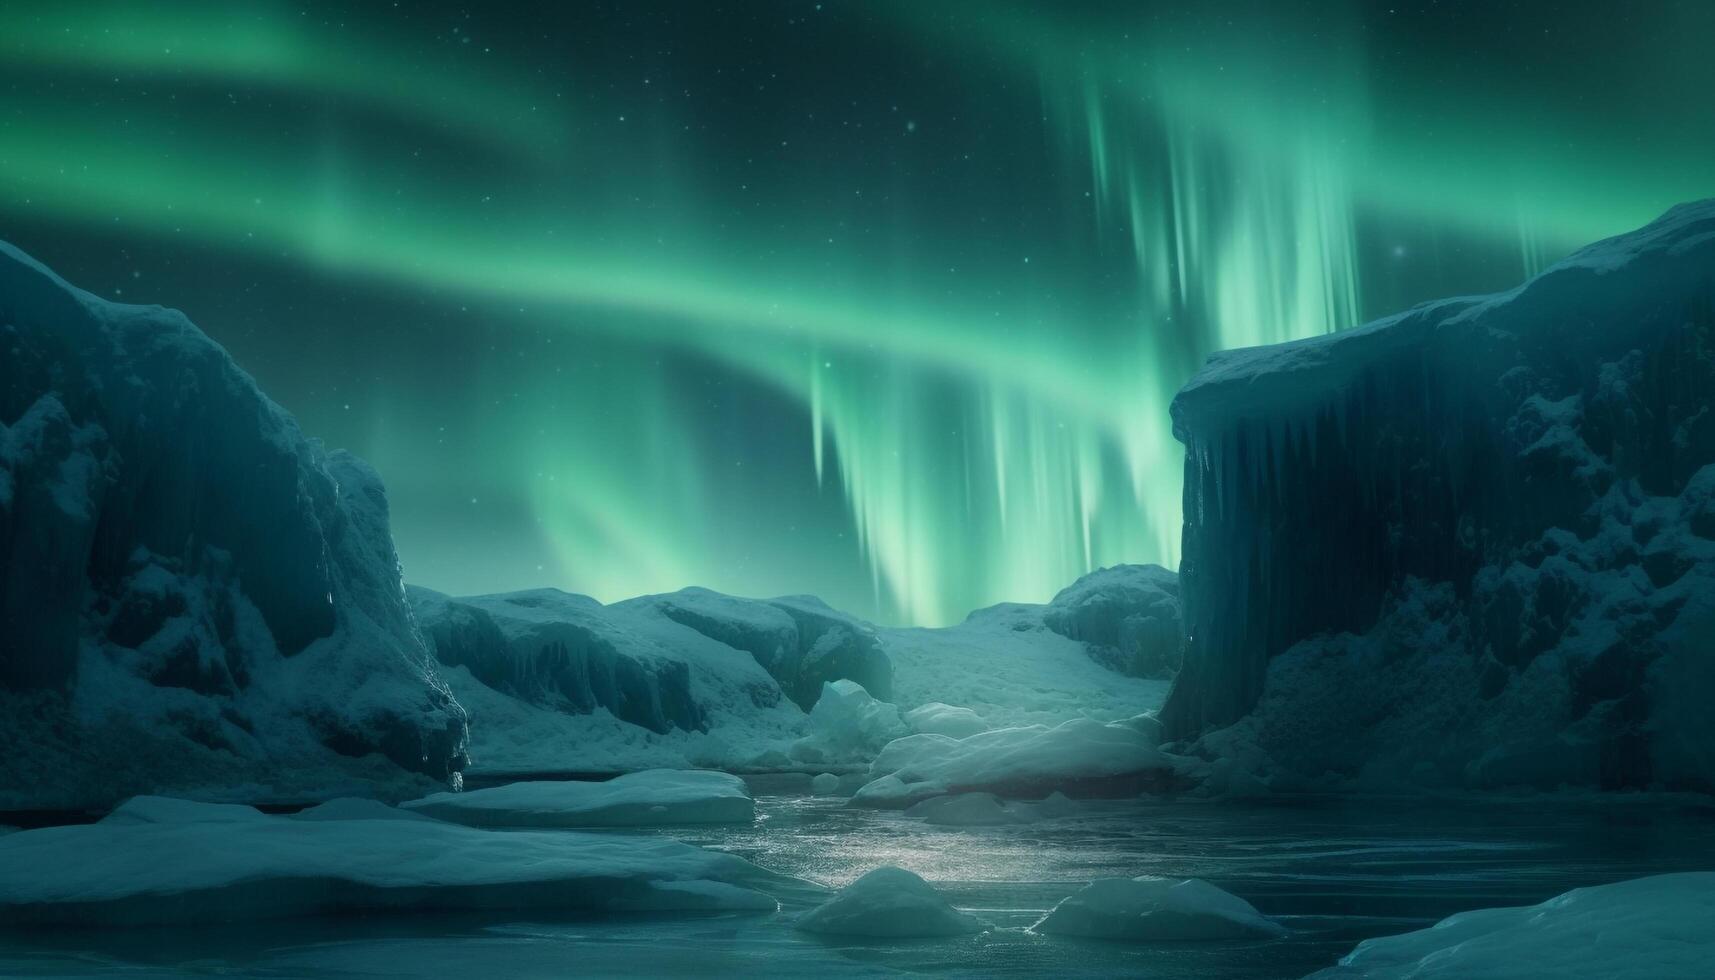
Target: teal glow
908 352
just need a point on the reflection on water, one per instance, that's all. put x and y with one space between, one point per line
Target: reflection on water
1334 872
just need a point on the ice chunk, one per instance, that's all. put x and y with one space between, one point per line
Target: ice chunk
1656 928
936 718
889 903
1152 909
1010 761
825 784
847 725
963 810
650 798
198 873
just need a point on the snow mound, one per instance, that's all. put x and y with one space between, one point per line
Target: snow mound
964 810
936 718
1467 546
166 809
825 784
354 808
1010 762
1152 909
654 797
559 682
197 873
193 593
847 725
1127 615
1656 928
1055 806
889 903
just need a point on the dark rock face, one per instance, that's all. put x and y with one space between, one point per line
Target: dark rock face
1128 617
1509 492
176 555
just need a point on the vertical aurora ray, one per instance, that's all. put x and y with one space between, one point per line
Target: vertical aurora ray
899 330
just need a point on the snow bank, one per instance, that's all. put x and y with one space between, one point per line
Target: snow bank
889 903
1011 762
650 798
1152 909
354 808
1128 617
847 725
936 718
1656 928
200 872
193 594
1468 545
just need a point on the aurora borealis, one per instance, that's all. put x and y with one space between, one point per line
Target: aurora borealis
882 302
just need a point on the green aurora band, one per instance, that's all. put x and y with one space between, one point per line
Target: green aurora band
935 411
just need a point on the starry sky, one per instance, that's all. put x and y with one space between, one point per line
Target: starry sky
882 301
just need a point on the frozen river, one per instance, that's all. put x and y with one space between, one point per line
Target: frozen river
1334 873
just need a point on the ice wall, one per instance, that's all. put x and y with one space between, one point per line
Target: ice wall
191 592
1496 507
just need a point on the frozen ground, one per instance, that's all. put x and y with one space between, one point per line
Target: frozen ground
1333 874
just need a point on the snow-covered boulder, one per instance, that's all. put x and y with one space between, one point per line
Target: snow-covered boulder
1127 615
847 725
654 797
200 872
964 810
192 593
1153 909
1013 762
1465 545
1656 928
936 718
889 903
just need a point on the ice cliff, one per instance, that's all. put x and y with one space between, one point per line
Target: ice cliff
192 593
1470 544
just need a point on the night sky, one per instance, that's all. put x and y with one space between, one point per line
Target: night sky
878 301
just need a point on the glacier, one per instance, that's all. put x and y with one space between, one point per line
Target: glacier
193 594
1469 545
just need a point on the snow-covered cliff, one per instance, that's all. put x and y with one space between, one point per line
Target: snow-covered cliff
192 593
1473 543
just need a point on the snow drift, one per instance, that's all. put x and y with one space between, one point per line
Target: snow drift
1155 909
192 593
1472 544
1656 928
889 903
